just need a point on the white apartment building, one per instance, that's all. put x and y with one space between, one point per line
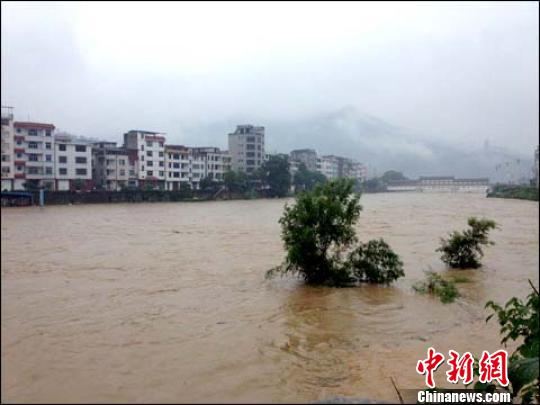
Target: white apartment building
73 163
177 166
246 148
328 165
216 162
150 157
8 165
34 155
112 167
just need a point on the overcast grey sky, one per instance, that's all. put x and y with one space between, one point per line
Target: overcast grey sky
461 71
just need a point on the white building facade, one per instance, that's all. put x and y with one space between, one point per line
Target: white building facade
150 157
73 164
34 155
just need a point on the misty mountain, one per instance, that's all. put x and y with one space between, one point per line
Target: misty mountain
380 145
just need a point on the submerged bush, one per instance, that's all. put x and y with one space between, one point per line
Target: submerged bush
318 232
436 285
464 249
375 262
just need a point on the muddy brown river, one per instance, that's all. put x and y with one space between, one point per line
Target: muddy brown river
167 302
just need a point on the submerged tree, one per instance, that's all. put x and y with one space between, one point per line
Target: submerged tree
319 230
464 249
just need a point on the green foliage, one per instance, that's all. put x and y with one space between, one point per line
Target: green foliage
375 262
392 175
510 191
236 182
207 184
436 285
318 230
373 186
305 179
464 249
275 173
519 321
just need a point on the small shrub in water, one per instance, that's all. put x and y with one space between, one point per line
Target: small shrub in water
375 262
436 285
464 249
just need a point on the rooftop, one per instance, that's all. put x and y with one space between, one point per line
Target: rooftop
32 125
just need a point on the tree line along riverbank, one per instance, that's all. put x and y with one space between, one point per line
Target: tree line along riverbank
510 191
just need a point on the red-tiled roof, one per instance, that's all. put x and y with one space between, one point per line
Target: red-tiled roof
37 125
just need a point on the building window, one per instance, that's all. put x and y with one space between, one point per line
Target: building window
33 158
149 143
80 159
18 130
62 147
122 172
32 145
48 132
33 170
122 162
32 132
48 158
132 172
176 165
160 154
19 155
161 163
150 163
80 148
161 144
149 173
48 170
142 147
62 159
149 153
161 173
62 171
47 145
19 142
80 172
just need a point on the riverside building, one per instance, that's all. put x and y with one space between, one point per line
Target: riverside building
246 148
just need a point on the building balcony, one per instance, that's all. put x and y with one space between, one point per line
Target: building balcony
19 162
20 175
35 163
18 150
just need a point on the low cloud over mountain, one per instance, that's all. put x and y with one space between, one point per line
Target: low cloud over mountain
380 145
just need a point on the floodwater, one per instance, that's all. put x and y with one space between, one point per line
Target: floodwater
167 302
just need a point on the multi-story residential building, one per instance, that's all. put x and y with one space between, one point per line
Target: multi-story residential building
113 168
73 163
328 165
8 165
150 157
34 155
305 156
177 166
246 148
217 162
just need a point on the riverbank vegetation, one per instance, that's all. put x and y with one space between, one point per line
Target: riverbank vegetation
519 322
510 191
464 249
321 243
